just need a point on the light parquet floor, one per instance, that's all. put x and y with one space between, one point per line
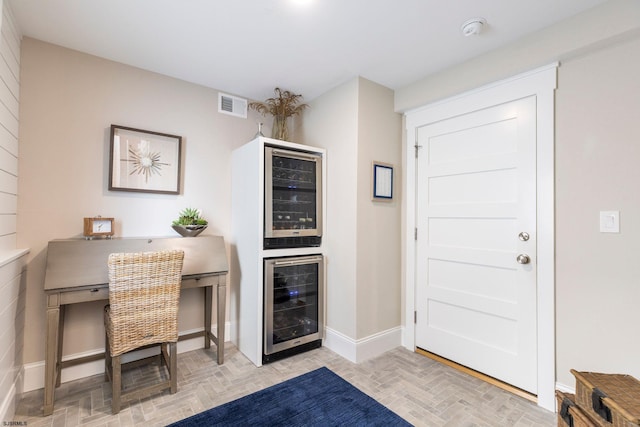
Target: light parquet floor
421 390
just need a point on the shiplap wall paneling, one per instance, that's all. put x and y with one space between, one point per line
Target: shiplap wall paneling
12 293
9 120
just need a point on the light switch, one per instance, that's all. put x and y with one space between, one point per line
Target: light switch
609 221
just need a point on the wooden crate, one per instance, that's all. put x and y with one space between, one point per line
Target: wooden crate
571 415
611 398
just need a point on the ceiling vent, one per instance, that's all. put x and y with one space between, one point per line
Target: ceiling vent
232 105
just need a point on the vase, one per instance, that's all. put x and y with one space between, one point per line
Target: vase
189 230
279 129
259 133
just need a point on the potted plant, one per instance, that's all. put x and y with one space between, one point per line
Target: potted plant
190 223
284 105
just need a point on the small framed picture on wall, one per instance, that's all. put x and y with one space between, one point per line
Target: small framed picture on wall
382 181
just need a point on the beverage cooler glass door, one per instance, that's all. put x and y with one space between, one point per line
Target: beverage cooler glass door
293 193
294 307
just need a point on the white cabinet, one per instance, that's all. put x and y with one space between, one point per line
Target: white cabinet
248 232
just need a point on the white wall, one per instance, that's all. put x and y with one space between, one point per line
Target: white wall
596 146
9 112
12 319
12 260
68 101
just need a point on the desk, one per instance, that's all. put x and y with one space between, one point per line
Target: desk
77 272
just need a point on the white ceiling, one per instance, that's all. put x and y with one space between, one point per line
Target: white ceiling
248 47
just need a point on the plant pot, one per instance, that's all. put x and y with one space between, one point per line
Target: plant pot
189 230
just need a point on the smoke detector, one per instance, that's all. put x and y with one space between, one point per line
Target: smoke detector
473 26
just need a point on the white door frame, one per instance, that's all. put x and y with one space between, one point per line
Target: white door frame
541 83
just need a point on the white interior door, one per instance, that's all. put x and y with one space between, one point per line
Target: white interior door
476 241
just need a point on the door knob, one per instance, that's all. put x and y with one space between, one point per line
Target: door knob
523 259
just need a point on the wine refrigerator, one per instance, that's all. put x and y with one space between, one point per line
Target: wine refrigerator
293 199
293 305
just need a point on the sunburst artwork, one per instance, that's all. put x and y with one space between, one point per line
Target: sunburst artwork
144 161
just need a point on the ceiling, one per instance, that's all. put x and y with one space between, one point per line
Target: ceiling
248 47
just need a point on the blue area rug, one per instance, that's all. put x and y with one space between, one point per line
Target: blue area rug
317 398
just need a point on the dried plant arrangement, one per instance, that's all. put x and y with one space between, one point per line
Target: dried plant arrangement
284 105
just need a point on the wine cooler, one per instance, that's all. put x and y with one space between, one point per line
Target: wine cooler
293 199
293 305
278 226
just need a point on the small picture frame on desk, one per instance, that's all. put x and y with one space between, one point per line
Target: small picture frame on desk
382 182
144 161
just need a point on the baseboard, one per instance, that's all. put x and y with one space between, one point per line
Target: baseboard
34 372
565 388
360 350
340 344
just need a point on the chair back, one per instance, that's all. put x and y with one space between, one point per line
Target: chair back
144 291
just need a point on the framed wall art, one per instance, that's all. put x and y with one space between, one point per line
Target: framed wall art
382 181
144 161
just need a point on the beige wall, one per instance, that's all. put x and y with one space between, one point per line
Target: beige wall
597 153
68 102
597 158
69 99
332 123
356 123
378 256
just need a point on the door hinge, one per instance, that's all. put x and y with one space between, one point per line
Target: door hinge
415 233
417 147
415 317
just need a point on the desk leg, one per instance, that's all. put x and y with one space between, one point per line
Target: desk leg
207 317
51 353
222 306
60 340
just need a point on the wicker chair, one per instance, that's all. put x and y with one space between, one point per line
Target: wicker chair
144 290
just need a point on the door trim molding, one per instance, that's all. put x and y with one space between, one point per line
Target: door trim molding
540 83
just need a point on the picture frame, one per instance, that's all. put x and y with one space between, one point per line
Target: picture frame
144 161
382 181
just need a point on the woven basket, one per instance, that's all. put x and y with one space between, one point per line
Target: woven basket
144 290
569 414
612 398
